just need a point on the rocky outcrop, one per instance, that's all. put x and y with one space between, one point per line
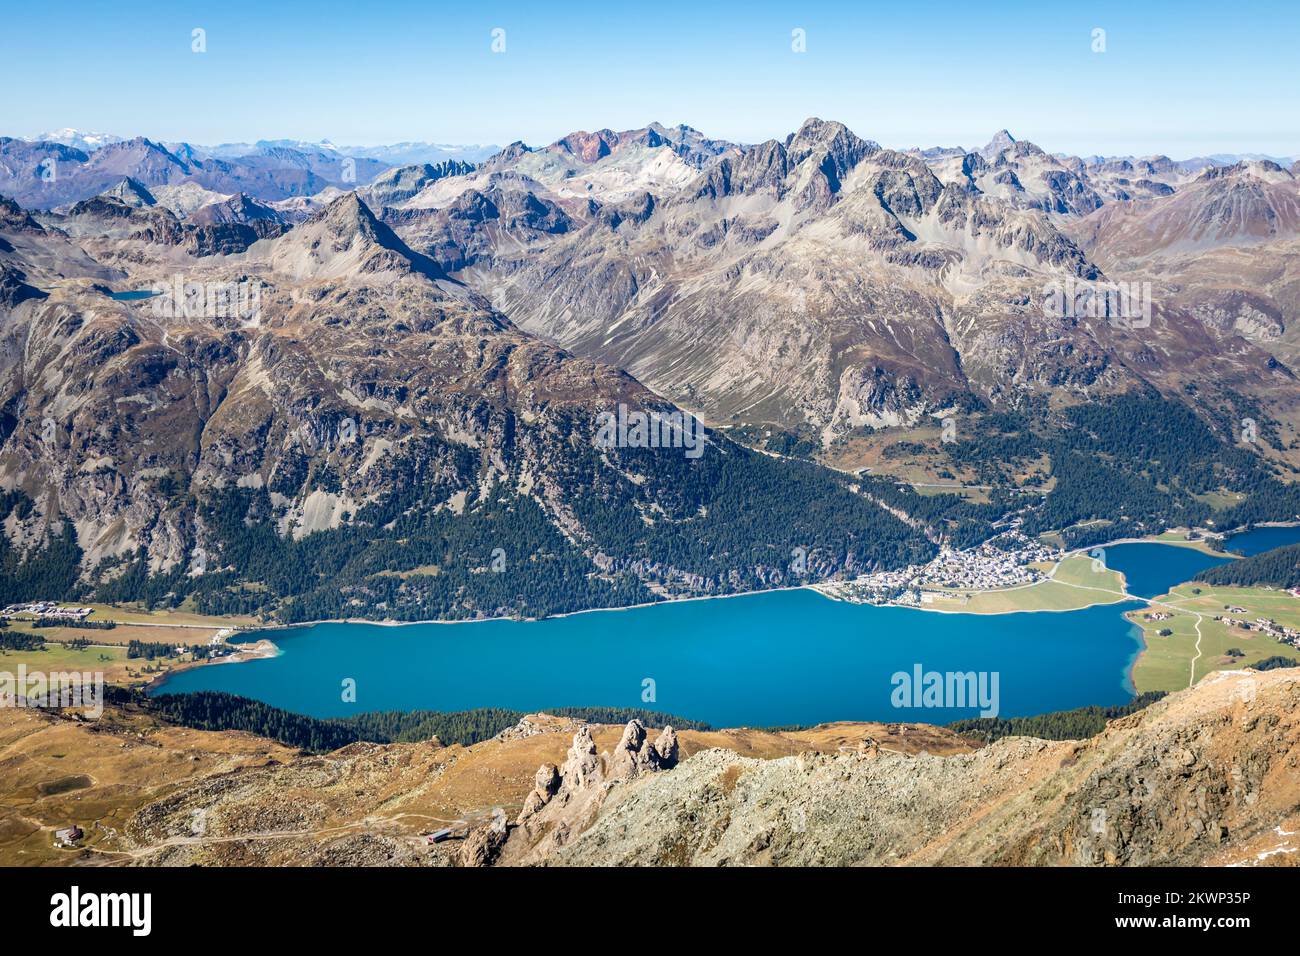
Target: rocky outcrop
634 756
582 768
1205 776
564 801
483 844
14 288
546 782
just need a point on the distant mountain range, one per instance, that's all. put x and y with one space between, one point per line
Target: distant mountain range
270 169
394 154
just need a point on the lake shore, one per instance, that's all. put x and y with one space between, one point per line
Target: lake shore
819 587
1076 579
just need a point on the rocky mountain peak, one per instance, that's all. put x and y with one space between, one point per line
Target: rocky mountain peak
346 240
239 208
1001 140
134 148
513 151
397 185
1260 169
827 136
830 150
14 218
345 215
588 147
131 192
248 207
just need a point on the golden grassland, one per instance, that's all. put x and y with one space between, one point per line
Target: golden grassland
134 614
121 635
55 771
1167 662
979 496
423 570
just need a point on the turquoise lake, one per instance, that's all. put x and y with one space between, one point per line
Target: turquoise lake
787 657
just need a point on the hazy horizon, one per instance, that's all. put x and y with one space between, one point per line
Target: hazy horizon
443 141
1174 79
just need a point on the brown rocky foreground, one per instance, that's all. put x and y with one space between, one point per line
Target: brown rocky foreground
1208 776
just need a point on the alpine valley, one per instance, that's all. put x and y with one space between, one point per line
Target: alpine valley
284 381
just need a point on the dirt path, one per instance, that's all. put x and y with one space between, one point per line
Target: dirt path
1191 677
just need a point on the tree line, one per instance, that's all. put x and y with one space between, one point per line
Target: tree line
1077 724
216 710
1277 567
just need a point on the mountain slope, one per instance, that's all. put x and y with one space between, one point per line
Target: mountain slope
1245 203
1225 249
337 423
824 287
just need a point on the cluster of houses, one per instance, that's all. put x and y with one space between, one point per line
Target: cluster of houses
978 569
47 609
1262 625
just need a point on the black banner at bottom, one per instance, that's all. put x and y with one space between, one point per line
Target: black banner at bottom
214 906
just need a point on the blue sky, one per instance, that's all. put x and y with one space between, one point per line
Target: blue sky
1178 78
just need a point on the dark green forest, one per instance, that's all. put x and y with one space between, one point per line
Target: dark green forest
1278 568
1275 662
1062 725
1136 463
214 710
